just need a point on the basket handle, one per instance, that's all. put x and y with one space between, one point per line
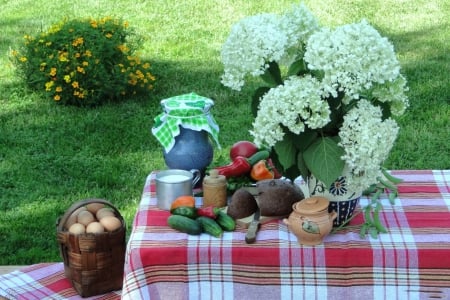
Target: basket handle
62 220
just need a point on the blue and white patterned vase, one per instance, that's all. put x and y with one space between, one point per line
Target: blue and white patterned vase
342 200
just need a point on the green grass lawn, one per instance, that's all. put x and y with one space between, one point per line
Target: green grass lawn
52 156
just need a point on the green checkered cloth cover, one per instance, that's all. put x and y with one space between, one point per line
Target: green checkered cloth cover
190 111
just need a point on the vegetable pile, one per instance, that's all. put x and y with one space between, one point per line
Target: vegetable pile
185 217
248 165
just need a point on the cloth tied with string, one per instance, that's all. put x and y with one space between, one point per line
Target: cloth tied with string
190 111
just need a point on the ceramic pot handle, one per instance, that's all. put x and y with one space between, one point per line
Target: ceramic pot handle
333 215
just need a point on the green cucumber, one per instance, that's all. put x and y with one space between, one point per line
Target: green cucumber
260 155
210 226
184 224
187 211
225 221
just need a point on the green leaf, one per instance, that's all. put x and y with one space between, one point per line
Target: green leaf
323 159
272 75
256 98
297 68
286 153
301 165
305 139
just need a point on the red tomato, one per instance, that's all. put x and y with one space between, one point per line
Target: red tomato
243 148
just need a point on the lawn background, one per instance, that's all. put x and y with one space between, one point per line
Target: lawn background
52 156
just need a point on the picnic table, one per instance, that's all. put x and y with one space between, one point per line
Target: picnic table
412 261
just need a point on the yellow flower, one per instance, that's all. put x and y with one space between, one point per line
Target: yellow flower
139 74
23 59
78 41
77 55
63 56
58 89
123 48
94 24
85 63
150 76
57 97
52 72
67 78
75 84
108 35
88 53
48 86
125 24
80 70
146 65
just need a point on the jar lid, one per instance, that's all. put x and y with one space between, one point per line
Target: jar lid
187 102
214 178
311 205
189 111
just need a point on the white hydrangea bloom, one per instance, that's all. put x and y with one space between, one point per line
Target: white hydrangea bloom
393 92
295 104
353 57
297 24
252 43
367 141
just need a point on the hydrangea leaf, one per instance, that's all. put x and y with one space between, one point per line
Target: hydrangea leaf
301 165
272 75
305 139
298 67
286 153
256 98
323 159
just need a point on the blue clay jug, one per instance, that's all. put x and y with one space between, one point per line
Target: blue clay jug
192 150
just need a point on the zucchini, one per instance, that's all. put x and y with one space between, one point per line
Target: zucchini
187 211
225 221
184 224
210 226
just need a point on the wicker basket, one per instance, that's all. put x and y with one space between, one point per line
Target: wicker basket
92 262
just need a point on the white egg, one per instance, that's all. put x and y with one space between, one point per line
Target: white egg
95 227
77 228
104 212
94 207
85 217
111 223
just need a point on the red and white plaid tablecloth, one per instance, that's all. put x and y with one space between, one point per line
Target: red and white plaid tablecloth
412 261
43 282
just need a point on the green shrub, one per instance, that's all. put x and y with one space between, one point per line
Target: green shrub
84 62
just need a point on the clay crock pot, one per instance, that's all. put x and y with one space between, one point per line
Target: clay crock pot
310 220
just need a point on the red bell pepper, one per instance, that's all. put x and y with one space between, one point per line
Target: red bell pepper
241 165
209 211
238 167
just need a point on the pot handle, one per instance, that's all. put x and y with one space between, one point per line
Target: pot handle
197 175
333 215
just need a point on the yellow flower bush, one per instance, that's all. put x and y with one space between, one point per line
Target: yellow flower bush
84 62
